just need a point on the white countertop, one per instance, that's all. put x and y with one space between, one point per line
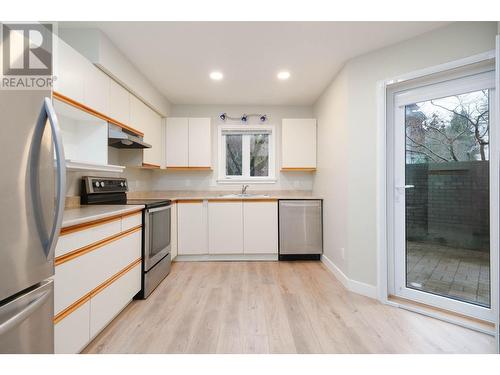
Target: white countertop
83 214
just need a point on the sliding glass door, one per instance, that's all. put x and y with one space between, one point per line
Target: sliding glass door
443 194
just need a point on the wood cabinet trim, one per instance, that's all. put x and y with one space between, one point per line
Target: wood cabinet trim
173 168
304 169
225 200
93 246
74 306
150 166
189 200
83 107
260 200
94 223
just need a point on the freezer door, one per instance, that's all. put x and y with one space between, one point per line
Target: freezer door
26 321
300 226
31 191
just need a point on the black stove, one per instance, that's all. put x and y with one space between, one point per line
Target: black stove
112 190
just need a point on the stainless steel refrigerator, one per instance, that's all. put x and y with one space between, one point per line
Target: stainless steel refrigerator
32 190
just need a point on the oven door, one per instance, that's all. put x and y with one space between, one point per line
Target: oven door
157 235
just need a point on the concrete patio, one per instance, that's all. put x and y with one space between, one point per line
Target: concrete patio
459 273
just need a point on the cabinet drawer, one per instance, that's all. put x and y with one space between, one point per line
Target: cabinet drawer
132 221
106 304
78 276
71 334
78 239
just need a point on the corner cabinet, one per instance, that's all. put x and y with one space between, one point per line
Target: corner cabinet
298 145
188 143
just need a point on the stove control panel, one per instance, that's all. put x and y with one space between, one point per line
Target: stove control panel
93 185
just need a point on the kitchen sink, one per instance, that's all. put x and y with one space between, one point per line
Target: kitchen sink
246 195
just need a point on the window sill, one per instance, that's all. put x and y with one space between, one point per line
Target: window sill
246 181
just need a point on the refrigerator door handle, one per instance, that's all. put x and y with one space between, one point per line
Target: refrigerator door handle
48 113
18 318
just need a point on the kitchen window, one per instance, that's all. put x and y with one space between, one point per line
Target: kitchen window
246 154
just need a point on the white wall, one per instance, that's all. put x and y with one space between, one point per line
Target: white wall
208 180
347 132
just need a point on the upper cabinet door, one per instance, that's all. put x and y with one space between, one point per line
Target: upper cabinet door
153 136
177 134
298 144
119 103
96 90
200 146
138 115
70 68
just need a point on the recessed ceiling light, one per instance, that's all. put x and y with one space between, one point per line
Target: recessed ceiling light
283 75
216 76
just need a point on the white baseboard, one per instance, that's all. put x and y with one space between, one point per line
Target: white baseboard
226 257
350 284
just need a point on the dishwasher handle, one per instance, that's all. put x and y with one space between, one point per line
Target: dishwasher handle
301 203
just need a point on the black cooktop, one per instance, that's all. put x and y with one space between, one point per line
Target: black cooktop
112 190
150 203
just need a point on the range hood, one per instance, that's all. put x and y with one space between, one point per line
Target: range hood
120 138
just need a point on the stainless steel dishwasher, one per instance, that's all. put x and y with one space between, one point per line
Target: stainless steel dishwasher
300 229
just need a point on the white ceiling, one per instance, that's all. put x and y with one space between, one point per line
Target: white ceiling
177 57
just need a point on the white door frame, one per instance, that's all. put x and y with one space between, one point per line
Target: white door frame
382 173
475 82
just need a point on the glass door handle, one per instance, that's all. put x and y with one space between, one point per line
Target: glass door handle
405 186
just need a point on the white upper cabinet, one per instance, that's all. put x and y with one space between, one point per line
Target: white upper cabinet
69 72
96 94
200 142
176 142
188 143
154 136
148 122
298 144
78 79
138 114
119 103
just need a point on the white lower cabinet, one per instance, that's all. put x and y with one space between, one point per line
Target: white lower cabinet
71 334
225 227
105 305
95 278
93 268
192 228
260 221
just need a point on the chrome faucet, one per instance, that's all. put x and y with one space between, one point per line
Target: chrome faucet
244 189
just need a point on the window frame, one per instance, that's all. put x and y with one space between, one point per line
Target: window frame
245 177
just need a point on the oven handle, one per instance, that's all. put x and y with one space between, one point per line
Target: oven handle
162 208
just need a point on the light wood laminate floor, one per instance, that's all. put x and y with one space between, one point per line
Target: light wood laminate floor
273 307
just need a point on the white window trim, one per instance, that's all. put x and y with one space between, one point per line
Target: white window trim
223 179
